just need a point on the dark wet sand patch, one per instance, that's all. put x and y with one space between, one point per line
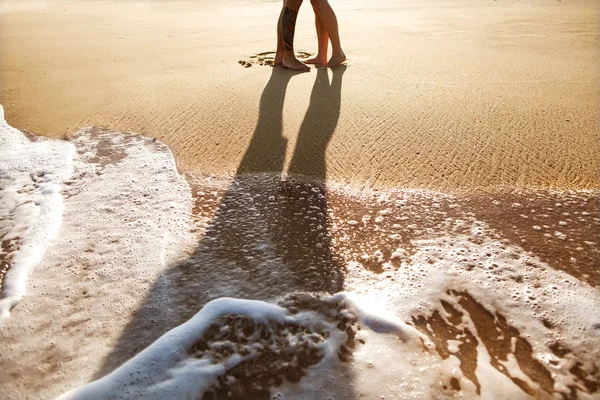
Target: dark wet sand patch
8 249
267 58
280 352
560 228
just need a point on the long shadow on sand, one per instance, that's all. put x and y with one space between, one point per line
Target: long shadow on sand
268 235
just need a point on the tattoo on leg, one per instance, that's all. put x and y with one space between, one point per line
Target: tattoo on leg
288 26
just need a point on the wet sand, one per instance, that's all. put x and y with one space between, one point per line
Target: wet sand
459 95
96 301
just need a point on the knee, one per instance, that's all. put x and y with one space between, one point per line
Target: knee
318 3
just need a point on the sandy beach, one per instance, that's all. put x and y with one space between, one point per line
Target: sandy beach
179 219
451 95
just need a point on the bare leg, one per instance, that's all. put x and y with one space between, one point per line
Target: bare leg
279 53
329 20
323 41
288 18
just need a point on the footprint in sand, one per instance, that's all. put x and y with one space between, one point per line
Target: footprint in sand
267 58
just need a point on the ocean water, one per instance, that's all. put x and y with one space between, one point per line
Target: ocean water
123 278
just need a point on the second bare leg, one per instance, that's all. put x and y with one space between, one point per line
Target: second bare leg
279 52
288 17
323 42
329 20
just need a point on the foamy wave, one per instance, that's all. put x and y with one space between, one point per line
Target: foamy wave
485 318
441 298
31 177
127 215
243 348
489 304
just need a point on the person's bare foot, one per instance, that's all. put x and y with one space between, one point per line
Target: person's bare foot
336 60
295 64
317 60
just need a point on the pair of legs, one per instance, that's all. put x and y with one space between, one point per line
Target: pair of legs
327 29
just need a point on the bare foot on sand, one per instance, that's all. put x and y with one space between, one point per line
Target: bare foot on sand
336 60
317 60
293 63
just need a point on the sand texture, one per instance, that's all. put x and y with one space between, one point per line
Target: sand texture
437 94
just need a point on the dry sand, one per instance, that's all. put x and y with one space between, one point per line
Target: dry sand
437 94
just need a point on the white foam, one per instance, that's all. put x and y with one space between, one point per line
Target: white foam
166 370
393 360
126 218
440 264
388 362
31 177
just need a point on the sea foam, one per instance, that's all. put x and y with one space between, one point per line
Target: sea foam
31 178
438 301
301 332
